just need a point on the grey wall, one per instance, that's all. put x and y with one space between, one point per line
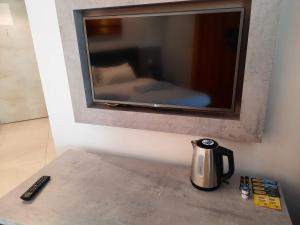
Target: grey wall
21 95
276 157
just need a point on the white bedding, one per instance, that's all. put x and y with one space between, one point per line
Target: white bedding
147 90
6 222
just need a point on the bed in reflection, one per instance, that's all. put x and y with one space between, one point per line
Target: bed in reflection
129 79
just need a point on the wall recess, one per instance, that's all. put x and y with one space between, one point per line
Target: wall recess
248 126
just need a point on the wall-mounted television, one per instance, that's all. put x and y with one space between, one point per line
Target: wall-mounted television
188 61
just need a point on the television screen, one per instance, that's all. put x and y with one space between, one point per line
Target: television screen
184 60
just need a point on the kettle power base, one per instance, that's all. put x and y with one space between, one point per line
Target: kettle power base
204 189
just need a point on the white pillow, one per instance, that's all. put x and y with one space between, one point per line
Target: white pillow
112 75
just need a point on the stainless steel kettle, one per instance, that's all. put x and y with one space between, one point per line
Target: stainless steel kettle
207 165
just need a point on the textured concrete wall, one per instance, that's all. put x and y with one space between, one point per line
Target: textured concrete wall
21 95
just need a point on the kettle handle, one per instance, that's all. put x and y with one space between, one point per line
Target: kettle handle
229 154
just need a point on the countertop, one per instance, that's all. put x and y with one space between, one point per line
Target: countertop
95 189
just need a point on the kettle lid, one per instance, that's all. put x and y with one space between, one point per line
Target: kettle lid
207 143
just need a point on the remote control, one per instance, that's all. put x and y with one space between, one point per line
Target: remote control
35 188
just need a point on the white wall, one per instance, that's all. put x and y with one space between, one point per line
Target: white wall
277 157
21 96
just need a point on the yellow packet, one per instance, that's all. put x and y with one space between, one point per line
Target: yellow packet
274 203
257 184
258 188
261 200
257 180
258 192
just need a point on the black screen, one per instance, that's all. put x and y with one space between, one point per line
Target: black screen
189 60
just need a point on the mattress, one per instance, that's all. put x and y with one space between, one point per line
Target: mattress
151 91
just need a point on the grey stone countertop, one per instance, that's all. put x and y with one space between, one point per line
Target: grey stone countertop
95 189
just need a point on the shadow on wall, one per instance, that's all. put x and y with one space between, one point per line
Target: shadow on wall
278 155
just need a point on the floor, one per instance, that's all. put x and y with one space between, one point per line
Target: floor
25 147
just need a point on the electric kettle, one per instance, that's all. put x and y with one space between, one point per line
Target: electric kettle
207 172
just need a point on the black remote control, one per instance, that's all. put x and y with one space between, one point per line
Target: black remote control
35 188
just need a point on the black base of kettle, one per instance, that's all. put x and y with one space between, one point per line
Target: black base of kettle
204 189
